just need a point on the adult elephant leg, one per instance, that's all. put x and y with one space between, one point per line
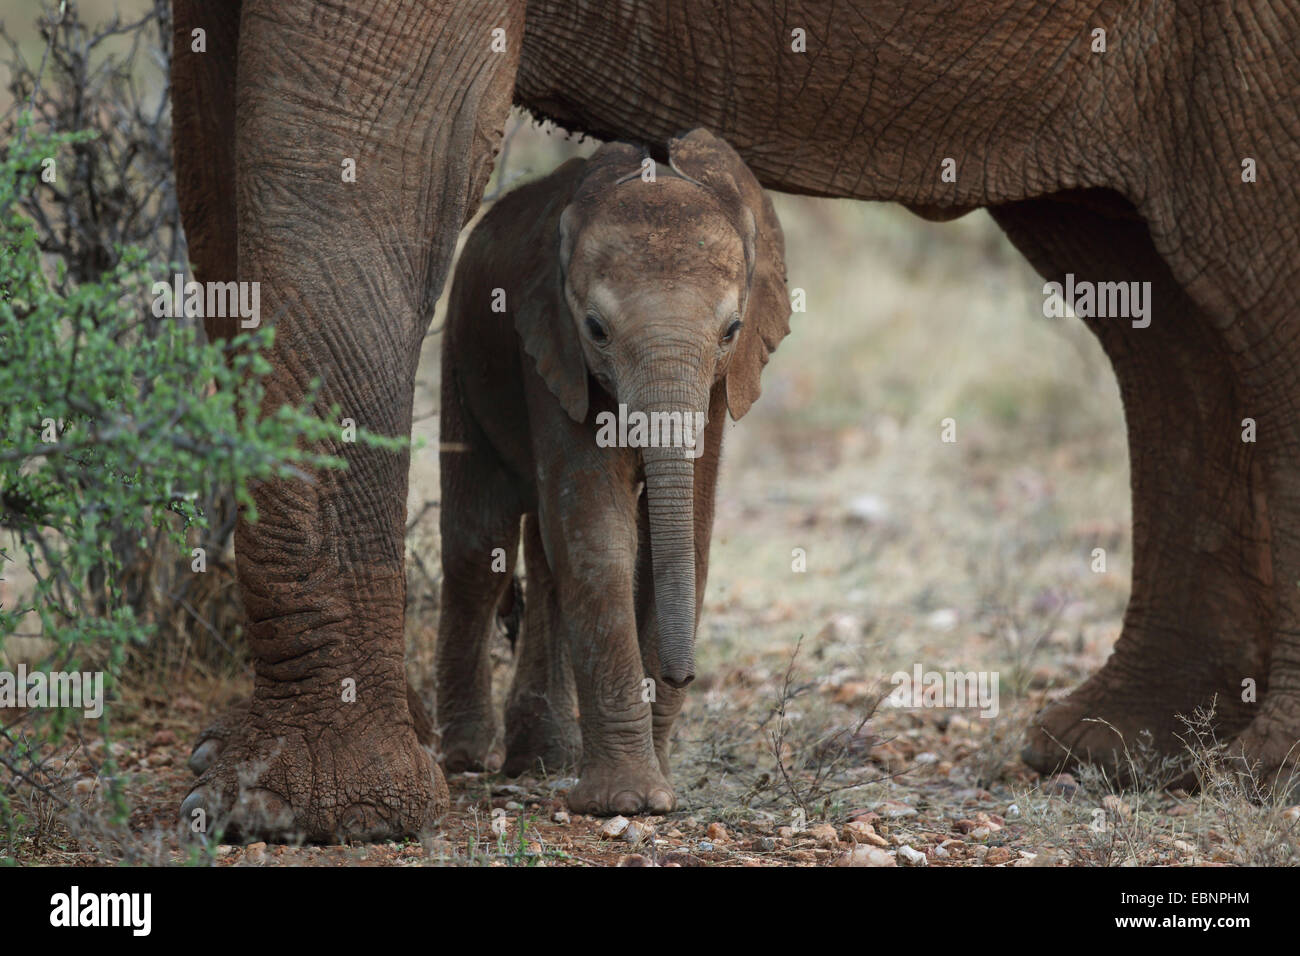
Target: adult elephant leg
1267 753
1200 607
414 99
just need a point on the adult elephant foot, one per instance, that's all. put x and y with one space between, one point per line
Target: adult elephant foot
609 789
1145 706
1112 721
1266 757
216 735
276 781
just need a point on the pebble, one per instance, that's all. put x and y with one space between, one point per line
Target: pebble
895 810
613 829
824 834
637 832
866 856
861 832
717 833
635 859
560 816
911 857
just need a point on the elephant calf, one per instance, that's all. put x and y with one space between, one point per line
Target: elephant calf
601 322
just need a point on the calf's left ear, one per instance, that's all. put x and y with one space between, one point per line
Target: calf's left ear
707 160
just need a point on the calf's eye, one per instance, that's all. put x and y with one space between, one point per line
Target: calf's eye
732 330
596 330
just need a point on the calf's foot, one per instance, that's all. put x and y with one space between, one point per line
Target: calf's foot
606 789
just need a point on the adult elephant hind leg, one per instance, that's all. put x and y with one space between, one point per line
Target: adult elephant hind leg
349 271
1198 610
541 713
479 523
1267 753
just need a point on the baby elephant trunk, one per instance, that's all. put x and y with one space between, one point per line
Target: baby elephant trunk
670 500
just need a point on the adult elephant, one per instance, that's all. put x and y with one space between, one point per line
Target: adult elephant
1130 164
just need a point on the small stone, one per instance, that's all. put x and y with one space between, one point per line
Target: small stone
637 832
705 847
635 859
944 619
767 844
1291 814
255 852
717 833
866 856
998 855
861 832
925 758
895 810
560 816
164 738
613 828
824 834
514 805
911 857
